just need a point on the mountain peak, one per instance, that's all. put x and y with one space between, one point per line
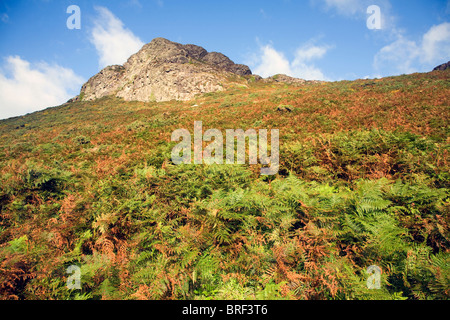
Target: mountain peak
443 66
164 70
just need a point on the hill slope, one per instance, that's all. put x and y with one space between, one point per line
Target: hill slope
363 180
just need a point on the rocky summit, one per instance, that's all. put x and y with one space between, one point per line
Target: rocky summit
164 70
442 67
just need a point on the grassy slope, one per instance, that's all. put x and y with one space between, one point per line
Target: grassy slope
364 180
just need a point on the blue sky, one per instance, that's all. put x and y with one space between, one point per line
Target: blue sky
43 63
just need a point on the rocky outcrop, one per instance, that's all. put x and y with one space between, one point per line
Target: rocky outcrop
442 67
103 83
289 80
223 62
164 70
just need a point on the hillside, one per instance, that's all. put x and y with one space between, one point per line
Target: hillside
363 180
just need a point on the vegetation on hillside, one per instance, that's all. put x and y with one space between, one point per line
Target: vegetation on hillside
363 180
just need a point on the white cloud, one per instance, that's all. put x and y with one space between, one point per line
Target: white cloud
30 88
270 62
407 56
436 43
310 52
398 57
114 43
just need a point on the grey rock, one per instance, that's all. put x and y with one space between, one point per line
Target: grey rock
196 52
103 83
283 108
442 67
241 70
223 62
282 78
164 70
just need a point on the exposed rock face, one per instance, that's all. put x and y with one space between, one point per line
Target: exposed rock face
443 66
289 80
286 79
164 70
222 61
103 83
